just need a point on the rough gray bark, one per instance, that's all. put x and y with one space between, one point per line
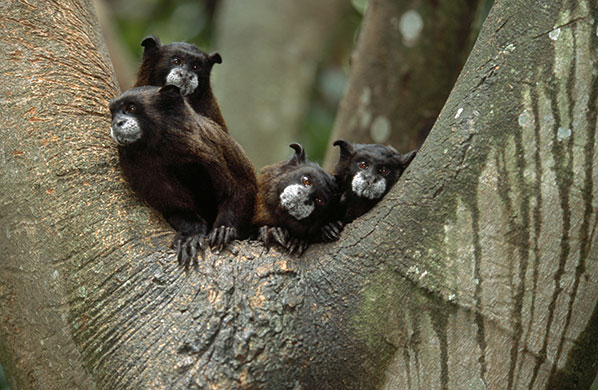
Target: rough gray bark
56 165
407 59
508 175
271 51
478 270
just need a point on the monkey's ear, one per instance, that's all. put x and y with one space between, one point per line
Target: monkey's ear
215 58
170 89
150 44
346 148
299 156
405 159
170 94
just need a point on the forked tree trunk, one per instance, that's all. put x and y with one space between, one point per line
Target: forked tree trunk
479 270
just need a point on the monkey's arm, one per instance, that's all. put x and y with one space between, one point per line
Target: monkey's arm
235 209
233 180
172 199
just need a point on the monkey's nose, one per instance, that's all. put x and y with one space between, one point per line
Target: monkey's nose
120 123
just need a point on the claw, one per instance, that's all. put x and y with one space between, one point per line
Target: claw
326 233
187 248
281 235
203 244
176 244
179 254
221 236
332 231
229 235
292 245
297 246
302 247
192 249
263 235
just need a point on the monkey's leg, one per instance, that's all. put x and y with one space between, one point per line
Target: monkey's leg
226 226
234 216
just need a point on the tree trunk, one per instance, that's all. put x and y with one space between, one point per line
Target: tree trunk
271 51
407 59
477 271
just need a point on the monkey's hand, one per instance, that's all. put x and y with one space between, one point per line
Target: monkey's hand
331 231
270 234
296 246
221 236
188 246
190 237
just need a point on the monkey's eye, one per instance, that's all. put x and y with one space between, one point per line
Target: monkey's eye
383 171
176 61
363 164
196 67
131 108
320 201
307 181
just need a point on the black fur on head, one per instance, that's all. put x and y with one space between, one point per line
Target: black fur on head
185 66
365 173
299 156
138 114
178 63
304 190
150 43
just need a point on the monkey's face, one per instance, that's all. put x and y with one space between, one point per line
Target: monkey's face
126 127
372 178
185 66
306 192
370 170
137 113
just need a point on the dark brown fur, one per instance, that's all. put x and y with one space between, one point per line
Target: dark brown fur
186 167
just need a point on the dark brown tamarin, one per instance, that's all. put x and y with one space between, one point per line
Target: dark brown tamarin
185 166
365 173
295 204
186 66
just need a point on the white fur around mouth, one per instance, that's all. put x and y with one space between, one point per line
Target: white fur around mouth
186 81
367 186
295 200
127 133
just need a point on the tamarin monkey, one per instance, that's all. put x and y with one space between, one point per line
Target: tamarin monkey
295 204
186 66
185 166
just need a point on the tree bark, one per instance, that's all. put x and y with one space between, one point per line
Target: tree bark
478 270
57 179
407 59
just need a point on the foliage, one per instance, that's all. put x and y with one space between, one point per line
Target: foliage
181 20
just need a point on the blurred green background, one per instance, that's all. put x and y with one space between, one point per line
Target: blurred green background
3 382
